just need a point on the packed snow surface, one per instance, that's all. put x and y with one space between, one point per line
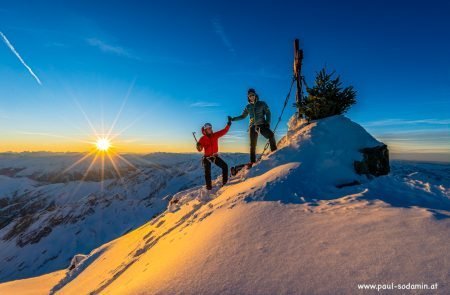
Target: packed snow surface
283 227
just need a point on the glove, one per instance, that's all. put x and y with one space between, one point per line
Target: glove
199 147
229 121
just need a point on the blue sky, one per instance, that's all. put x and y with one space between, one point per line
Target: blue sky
178 64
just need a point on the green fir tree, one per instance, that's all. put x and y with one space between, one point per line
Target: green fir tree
327 97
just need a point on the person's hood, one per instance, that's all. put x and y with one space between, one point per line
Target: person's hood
256 98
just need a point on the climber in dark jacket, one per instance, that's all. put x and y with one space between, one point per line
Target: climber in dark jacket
259 122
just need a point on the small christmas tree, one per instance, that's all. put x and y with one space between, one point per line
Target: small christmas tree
327 97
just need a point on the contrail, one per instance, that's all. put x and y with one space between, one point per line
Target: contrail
19 57
218 28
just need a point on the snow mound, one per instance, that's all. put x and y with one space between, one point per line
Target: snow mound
326 149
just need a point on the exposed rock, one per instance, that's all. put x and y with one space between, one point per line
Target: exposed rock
77 260
375 161
21 225
34 236
4 202
10 172
352 183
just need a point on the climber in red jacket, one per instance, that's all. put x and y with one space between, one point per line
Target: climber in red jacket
209 143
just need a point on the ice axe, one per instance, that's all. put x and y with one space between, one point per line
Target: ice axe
198 144
193 134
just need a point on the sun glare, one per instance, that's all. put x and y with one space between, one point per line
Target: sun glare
102 151
103 144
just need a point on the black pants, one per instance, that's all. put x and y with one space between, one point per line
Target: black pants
267 133
207 165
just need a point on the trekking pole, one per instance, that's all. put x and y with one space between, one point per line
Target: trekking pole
193 134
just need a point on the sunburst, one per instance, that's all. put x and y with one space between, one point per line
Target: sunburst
102 148
103 144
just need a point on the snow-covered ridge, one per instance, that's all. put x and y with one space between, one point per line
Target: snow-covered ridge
283 227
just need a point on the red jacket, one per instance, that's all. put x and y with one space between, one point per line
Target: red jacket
210 142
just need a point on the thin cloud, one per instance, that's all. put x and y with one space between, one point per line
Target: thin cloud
11 47
423 141
108 48
204 104
219 30
235 136
395 122
417 135
261 73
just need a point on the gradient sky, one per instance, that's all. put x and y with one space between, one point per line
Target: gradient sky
173 65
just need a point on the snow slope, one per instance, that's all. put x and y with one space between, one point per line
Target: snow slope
45 221
38 285
284 228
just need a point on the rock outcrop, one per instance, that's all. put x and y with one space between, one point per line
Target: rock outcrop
375 161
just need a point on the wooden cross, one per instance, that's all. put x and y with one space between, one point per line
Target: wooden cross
298 58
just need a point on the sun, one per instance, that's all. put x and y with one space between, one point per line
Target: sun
103 144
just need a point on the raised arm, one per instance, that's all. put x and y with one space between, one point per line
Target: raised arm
222 132
242 116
